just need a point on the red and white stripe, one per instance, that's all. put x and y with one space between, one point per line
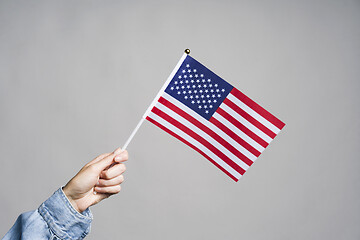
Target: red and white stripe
232 139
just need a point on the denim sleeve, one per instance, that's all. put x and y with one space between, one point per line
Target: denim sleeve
54 219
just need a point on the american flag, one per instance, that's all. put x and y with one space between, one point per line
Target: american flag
214 118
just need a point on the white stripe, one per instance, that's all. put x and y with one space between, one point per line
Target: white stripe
195 143
245 122
203 134
214 128
254 114
238 132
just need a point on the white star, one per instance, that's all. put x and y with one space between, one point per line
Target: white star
179 92
186 97
196 96
209 80
195 91
189 70
190 76
209 101
201 75
194 70
189 91
205 85
181 82
192 81
188 86
210 106
179 76
187 65
217 90
177 87
223 90
186 81
197 80
215 100
198 101
200 106
205 106
199 86
200 91
219 95
193 102
202 96
212 90
196 75
208 96
191 96
182 87
172 88
175 82
193 86
183 71
213 95
210 85
184 92
203 101
206 111
185 76
203 80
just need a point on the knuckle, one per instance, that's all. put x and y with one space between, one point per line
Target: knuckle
121 178
102 182
92 168
107 175
123 167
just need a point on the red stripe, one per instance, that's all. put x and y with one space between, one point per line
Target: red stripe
249 118
229 132
240 126
207 130
257 108
192 146
197 137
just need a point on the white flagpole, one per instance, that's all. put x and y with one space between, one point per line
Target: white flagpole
162 89
133 134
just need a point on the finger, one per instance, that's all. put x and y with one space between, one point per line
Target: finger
114 171
106 161
111 182
102 156
103 163
108 190
99 197
122 157
98 158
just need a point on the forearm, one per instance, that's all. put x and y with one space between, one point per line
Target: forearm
54 219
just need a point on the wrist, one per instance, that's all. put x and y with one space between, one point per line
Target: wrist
70 199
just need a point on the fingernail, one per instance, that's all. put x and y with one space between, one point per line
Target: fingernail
118 158
117 151
94 192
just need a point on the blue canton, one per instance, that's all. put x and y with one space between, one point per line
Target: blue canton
198 88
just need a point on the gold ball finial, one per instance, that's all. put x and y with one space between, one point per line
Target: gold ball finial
187 51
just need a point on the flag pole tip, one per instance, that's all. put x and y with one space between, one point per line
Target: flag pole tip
187 51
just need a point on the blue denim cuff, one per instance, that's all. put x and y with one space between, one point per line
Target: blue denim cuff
63 220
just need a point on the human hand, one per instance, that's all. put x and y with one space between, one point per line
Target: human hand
97 180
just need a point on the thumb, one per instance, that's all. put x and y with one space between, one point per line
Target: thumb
106 161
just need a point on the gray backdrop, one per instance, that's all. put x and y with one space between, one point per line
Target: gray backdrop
76 76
